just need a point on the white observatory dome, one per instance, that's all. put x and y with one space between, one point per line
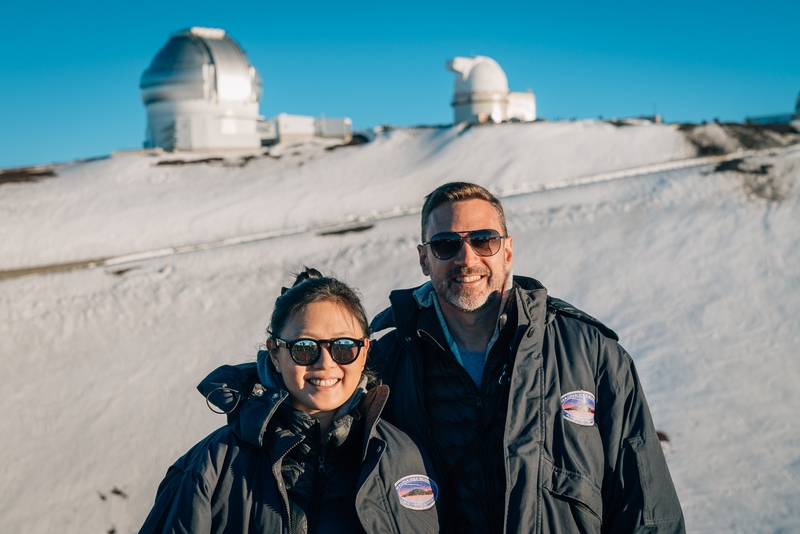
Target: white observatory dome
481 93
479 74
481 89
201 93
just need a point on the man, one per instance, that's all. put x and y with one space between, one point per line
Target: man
533 411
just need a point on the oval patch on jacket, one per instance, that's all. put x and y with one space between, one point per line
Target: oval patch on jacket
578 407
416 492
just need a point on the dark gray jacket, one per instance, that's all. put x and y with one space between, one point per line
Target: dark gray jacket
231 481
579 449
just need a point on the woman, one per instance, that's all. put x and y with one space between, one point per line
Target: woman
304 449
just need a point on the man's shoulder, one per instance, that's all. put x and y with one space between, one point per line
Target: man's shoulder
384 320
403 307
556 307
560 308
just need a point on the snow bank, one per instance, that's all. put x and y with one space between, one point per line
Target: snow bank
128 204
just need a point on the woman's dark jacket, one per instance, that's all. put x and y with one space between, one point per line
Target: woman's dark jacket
537 467
249 476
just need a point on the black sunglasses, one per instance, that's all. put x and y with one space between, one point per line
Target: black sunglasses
344 350
445 245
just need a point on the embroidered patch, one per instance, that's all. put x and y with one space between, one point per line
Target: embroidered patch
578 407
416 492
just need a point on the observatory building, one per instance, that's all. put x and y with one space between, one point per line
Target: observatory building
783 118
202 93
481 93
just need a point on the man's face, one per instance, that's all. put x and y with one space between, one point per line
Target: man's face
467 281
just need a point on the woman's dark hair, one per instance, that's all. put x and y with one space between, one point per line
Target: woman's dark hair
310 286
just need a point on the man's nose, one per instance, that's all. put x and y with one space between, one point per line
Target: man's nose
466 255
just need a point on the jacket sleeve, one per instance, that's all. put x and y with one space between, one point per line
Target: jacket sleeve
638 493
183 505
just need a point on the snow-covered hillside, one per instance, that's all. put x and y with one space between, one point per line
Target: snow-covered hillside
697 267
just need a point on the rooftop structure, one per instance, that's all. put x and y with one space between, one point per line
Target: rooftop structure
285 127
783 118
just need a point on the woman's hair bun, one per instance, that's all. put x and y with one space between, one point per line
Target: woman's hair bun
309 286
305 274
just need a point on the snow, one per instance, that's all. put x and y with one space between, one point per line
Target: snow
698 275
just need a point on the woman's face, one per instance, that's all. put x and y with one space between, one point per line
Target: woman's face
324 385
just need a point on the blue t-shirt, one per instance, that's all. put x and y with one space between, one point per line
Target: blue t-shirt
473 362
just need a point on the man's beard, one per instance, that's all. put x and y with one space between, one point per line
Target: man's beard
469 299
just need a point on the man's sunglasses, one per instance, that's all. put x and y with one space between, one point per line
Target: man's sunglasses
445 245
343 350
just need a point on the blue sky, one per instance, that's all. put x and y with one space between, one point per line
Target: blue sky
69 77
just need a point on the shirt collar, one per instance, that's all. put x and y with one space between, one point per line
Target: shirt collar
426 297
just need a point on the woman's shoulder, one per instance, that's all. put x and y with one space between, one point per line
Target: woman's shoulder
403 472
396 439
397 442
211 455
372 406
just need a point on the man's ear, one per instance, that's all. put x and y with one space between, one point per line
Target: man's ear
508 249
423 260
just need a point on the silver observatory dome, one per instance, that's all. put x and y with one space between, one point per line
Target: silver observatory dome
201 63
201 93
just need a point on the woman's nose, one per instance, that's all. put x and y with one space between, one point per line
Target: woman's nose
325 359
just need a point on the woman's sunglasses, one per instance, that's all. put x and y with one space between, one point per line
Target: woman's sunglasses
344 350
445 245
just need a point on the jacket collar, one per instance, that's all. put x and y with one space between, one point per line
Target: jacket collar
532 301
371 408
426 297
404 314
250 405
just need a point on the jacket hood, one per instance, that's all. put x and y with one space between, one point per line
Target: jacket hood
236 391
240 393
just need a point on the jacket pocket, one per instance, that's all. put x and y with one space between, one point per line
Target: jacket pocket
571 503
660 502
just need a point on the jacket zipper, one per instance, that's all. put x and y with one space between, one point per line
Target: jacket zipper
429 338
478 406
282 487
585 508
421 397
505 377
316 495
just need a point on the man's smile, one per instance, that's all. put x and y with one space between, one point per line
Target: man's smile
467 279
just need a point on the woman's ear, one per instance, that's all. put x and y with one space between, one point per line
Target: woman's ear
367 347
273 349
